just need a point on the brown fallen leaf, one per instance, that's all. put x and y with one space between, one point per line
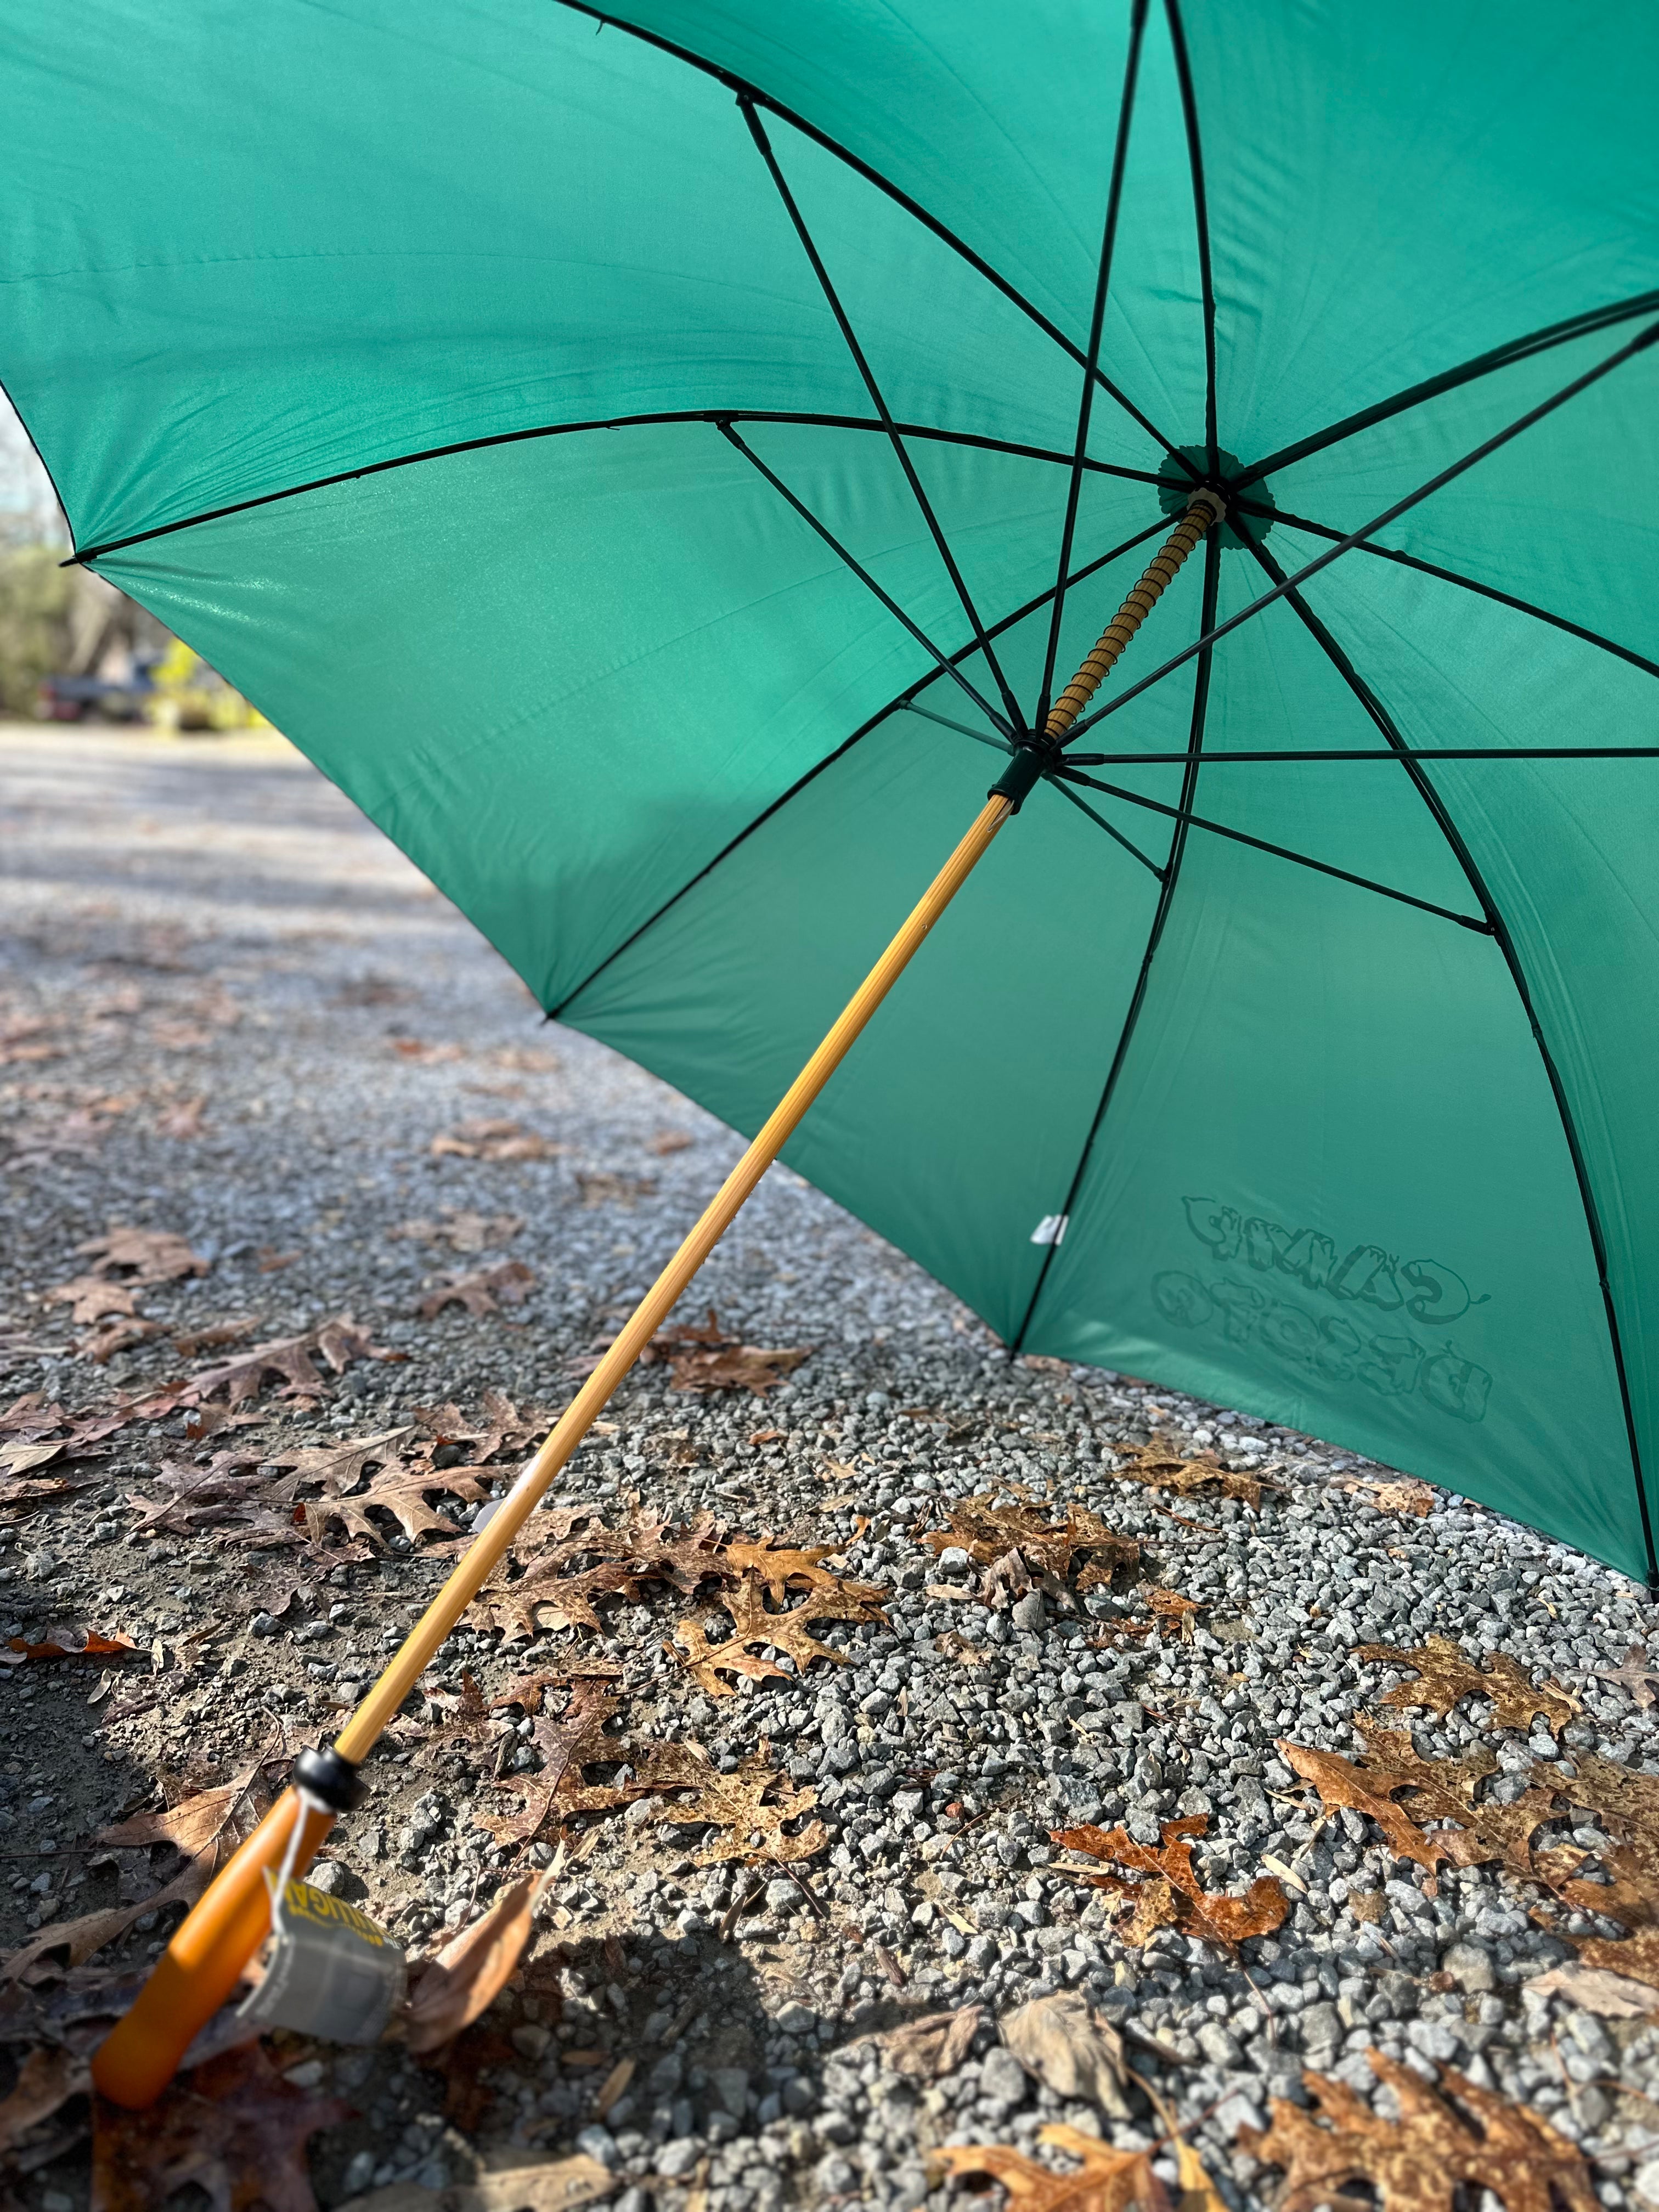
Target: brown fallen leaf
1171 1895
337 1343
736 1367
927 2050
1195 2191
1594 1988
269 1261
988 1532
559 2185
1071 2049
1172 1610
89 1298
63 1641
153 1255
234 2127
671 1140
23 1458
401 1491
754 1629
182 1120
495 1139
93 1930
189 1827
1108 2180
469 1972
1637 1677
509 1283
1404 1494
1161 1465
461 1230
1446 1675
599 1186
752 1806
116 1336
566 1746
48 2077
1418 2162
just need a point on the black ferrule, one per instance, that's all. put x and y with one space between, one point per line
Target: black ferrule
338 1784
1024 771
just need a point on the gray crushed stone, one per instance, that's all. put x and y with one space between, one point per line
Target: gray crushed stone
212 920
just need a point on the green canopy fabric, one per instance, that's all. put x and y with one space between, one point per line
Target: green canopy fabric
501 395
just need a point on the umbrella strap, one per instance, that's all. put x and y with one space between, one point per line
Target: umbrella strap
1206 510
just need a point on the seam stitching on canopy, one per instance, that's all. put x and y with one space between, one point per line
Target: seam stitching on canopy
1201 223
1160 918
1432 798
1096 325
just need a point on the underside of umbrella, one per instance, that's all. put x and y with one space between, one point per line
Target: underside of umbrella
656 467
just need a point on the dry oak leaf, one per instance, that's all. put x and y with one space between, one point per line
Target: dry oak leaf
1420 2161
461 1230
466 1977
558 2185
1070 2051
233 2126
184 1119
155 1255
737 1367
1109 2180
780 1569
927 2050
336 1342
510 1283
598 1186
1171 1895
566 1746
1594 1988
116 1336
987 1532
1637 1677
1161 1465
89 1298
752 1805
752 1624
1446 1675
495 1139
340 1465
1405 1494
401 1492
60 1641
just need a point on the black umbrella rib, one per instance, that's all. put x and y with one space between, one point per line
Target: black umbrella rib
1201 222
760 98
1166 891
667 416
1345 753
1097 326
980 737
1482 364
947 665
1202 644
1110 828
901 700
1279 852
1499 930
1455 577
901 451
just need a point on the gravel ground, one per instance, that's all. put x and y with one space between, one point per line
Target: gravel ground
230 1008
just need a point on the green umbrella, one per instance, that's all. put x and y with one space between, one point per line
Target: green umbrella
654 467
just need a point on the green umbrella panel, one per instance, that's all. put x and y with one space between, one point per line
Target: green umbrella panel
646 463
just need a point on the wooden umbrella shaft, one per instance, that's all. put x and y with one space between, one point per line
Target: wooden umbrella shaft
203 1963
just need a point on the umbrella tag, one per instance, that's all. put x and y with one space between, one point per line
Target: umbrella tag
329 1971
1051 1229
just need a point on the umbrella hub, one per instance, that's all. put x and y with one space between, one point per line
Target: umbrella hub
1175 488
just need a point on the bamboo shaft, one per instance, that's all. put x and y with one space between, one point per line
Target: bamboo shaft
202 1964
1206 510
359 1734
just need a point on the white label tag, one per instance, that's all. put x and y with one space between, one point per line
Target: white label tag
1051 1229
329 1971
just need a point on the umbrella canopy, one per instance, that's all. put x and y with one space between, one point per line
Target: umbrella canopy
653 465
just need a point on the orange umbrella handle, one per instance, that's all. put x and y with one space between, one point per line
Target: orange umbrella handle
204 1962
